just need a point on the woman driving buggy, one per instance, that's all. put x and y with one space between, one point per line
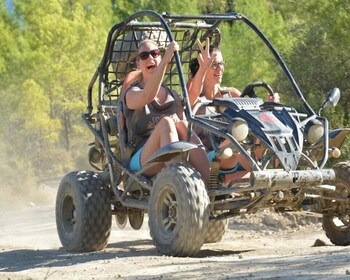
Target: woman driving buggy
205 85
154 113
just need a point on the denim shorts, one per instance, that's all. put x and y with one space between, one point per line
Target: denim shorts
238 167
135 162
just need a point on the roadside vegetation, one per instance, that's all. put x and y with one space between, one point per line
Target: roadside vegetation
49 50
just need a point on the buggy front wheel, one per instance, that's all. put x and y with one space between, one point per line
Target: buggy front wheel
178 211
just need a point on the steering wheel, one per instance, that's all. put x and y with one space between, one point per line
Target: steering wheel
249 90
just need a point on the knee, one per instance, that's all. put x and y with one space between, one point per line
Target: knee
181 124
167 123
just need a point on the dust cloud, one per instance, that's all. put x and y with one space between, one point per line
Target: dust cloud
22 197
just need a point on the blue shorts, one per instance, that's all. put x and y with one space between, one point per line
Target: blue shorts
238 167
135 162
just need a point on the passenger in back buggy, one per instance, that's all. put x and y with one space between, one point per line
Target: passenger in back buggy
205 84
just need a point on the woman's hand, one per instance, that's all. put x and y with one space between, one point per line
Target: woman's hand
204 57
171 48
275 98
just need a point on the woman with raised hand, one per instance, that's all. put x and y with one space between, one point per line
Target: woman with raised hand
154 115
205 84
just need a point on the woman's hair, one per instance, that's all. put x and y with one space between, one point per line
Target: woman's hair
194 64
147 40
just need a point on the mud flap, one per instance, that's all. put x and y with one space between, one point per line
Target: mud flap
171 151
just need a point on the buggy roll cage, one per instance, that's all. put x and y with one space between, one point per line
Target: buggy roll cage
167 20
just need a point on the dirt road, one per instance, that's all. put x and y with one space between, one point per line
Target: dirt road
264 246
274 248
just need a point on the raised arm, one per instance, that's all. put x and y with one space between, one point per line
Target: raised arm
137 98
195 85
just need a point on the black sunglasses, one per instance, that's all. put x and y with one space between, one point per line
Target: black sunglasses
154 53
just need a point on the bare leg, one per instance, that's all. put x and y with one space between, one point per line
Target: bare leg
198 157
163 134
237 175
231 162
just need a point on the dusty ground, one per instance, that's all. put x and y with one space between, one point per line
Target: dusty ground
263 246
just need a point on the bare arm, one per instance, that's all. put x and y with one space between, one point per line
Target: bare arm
234 92
137 98
195 85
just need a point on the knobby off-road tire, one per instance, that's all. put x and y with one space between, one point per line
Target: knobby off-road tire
337 229
83 212
178 211
216 230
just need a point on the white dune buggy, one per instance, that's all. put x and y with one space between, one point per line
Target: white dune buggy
183 212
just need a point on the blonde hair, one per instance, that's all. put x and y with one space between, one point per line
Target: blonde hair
147 40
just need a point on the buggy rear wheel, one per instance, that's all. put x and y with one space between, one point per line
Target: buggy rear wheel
178 211
337 226
83 212
216 231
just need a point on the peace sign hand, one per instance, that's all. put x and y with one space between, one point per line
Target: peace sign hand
204 57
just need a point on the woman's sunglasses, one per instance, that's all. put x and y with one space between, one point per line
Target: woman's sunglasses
154 53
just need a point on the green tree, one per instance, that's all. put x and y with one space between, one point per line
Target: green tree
50 53
49 50
248 59
320 59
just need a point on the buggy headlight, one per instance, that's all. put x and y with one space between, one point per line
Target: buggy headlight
239 129
314 130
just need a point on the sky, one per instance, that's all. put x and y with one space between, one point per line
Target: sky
9 5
